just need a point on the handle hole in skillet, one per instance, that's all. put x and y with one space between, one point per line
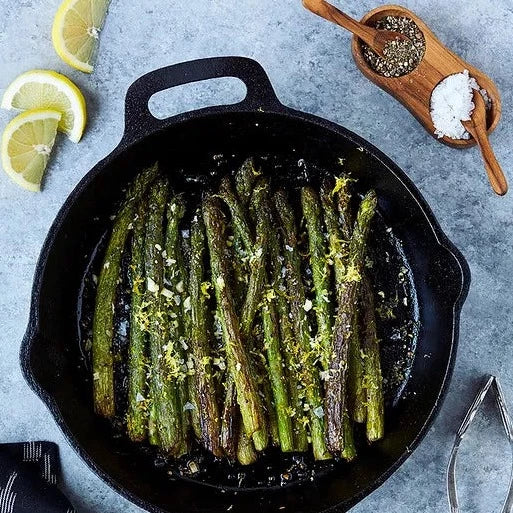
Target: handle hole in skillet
198 95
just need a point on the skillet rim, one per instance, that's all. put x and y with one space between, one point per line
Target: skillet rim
276 108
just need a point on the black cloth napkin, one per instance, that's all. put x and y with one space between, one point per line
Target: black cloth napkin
28 479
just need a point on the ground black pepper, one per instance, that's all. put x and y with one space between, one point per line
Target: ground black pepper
400 56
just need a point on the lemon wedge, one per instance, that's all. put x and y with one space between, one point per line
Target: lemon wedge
76 31
27 143
42 89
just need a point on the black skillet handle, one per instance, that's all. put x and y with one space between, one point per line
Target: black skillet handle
139 121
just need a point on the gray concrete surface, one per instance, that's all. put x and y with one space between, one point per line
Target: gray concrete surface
309 63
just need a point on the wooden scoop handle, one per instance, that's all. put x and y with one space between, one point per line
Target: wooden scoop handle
493 169
374 38
477 128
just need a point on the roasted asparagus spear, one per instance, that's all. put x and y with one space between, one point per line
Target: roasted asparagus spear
206 394
312 213
239 363
103 322
335 385
174 291
338 225
255 250
257 277
292 364
309 375
166 370
355 390
137 415
189 391
231 425
373 379
261 212
276 376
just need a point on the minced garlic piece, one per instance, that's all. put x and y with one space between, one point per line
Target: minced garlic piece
151 285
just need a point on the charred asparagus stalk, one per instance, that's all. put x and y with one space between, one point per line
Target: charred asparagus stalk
257 277
338 225
231 443
287 345
312 213
189 391
103 322
289 353
230 425
277 377
175 285
309 375
373 379
355 389
206 394
335 385
238 358
166 411
137 416
255 250
261 212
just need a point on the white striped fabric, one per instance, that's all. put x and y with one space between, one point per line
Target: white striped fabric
7 497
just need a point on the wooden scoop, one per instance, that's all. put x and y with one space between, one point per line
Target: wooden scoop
476 127
376 39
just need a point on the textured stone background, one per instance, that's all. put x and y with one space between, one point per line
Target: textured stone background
310 66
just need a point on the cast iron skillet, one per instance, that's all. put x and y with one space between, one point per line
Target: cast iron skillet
259 123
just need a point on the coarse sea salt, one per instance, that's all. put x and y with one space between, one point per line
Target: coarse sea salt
451 103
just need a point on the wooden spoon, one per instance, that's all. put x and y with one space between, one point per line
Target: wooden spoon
476 127
376 39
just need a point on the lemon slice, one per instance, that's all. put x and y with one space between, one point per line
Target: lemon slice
76 30
41 89
27 142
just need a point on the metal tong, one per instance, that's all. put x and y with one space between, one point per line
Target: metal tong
491 383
